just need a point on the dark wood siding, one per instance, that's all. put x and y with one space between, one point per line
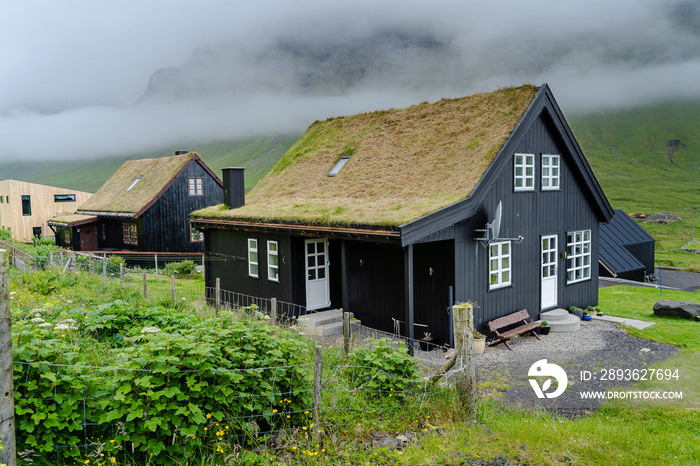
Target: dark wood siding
433 274
530 215
227 259
166 223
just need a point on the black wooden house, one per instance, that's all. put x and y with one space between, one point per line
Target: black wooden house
393 214
144 206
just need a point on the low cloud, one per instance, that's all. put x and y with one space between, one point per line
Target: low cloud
71 73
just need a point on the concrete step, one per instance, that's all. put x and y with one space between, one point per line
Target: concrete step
569 324
554 315
333 328
322 318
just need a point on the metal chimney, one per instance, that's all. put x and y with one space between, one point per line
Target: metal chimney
181 152
234 187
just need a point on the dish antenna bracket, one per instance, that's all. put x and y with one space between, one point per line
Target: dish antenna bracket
493 229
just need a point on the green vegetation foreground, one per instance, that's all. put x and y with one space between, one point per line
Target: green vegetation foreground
96 325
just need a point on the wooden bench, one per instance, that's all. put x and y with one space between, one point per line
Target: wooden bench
511 319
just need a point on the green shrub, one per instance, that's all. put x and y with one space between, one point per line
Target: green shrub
183 268
46 282
174 379
383 370
5 234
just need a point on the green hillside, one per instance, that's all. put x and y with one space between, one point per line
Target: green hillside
648 160
258 155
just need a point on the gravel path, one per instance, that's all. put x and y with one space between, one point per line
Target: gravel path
598 345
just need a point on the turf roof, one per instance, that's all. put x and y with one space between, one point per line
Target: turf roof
156 176
405 163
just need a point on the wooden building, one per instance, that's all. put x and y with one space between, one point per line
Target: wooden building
144 206
626 249
395 214
25 208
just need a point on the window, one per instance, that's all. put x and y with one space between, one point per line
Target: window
26 205
195 186
66 237
524 172
253 257
64 197
134 183
2 199
499 265
578 256
196 236
550 172
340 164
130 234
273 267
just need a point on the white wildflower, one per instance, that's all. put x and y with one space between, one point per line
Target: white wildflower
37 320
64 326
46 324
644 350
150 330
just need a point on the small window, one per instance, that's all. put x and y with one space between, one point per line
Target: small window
64 197
524 170
26 205
196 236
253 257
7 199
133 184
66 237
195 186
578 256
2 199
340 164
273 267
36 232
130 234
550 172
499 265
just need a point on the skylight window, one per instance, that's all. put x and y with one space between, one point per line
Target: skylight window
341 163
133 184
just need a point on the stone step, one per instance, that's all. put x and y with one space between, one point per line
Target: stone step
570 324
333 328
318 319
554 315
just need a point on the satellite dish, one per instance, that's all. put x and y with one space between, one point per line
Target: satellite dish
495 225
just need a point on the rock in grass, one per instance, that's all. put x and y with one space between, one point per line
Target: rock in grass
685 309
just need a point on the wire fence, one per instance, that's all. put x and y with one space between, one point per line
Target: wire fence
345 396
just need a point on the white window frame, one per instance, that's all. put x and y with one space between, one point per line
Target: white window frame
273 270
130 234
578 256
196 236
524 172
500 264
551 179
253 259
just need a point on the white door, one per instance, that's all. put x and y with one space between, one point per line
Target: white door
549 271
317 286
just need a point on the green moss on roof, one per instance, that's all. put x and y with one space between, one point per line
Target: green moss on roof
156 174
405 163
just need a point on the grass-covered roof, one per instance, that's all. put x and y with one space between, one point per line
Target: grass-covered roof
404 163
118 195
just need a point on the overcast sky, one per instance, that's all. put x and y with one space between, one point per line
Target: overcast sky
71 72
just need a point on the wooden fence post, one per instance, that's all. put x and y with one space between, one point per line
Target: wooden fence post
90 263
51 257
218 296
346 332
316 411
104 269
121 274
463 316
155 257
7 392
273 310
172 286
145 292
74 261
